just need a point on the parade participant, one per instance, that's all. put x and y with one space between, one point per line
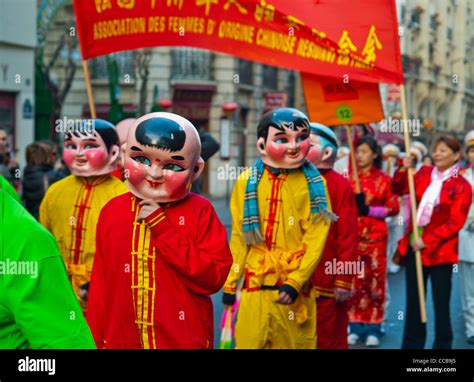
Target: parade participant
417 156
70 209
427 160
333 287
280 221
161 250
38 309
420 146
209 147
391 154
443 199
122 131
466 248
374 203
341 165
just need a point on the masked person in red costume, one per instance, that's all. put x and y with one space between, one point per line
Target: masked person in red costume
161 250
122 131
333 277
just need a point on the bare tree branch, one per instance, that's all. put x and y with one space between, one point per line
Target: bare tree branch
69 70
55 55
142 68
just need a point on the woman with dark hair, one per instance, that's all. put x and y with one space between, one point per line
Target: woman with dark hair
375 202
443 198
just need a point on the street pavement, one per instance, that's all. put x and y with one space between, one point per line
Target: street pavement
396 306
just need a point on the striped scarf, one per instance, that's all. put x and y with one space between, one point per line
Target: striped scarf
317 196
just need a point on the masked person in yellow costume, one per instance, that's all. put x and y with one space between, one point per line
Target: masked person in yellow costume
71 206
280 220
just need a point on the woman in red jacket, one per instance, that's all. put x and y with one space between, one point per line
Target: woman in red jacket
374 204
443 198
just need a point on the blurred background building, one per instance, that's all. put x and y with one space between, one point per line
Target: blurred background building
191 82
437 47
17 85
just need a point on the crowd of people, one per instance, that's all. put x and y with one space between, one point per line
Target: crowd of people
123 244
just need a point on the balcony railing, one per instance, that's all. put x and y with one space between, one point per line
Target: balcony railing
125 62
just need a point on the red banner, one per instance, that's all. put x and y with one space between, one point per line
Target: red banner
337 38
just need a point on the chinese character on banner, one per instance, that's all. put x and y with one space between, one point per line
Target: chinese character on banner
127 4
294 22
346 46
371 44
176 3
102 5
236 3
318 33
264 11
207 3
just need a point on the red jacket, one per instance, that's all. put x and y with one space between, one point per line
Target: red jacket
441 234
342 240
151 282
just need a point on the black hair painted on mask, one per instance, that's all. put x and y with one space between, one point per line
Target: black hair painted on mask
374 146
89 128
281 119
161 133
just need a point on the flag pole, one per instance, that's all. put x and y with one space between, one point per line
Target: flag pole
411 186
355 174
87 80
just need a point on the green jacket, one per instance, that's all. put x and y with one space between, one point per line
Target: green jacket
38 308
8 188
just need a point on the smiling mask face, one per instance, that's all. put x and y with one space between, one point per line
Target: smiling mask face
91 149
283 138
162 157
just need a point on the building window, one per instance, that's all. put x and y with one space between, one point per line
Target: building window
431 51
191 64
245 72
414 20
270 77
125 63
449 24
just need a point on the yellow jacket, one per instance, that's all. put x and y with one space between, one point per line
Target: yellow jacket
70 211
296 243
